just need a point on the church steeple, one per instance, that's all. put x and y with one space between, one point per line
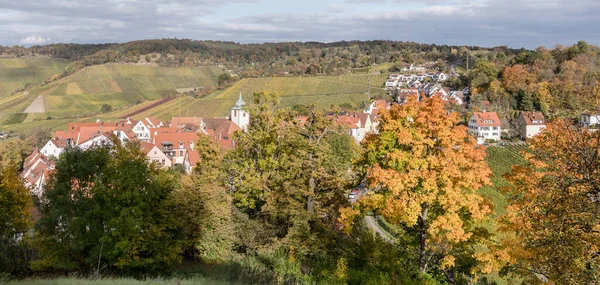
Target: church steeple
239 104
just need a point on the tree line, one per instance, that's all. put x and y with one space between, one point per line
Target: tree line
253 60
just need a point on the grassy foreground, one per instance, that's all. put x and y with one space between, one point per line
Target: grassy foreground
120 281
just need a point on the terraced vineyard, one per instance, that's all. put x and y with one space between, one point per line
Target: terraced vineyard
309 86
120 85
501 159
16 73
324 91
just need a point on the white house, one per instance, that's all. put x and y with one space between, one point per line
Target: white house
394 77
531 124
239 116
154 154
55 146
589 120
359 125
440 76
485 126
142 128
36 168
391 83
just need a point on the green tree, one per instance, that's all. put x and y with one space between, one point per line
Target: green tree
106 205
105 108
15 207
282 174
207 206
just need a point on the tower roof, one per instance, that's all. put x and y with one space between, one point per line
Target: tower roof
239 103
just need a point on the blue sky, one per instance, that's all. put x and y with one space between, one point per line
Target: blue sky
515 23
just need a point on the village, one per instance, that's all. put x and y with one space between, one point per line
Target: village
172 144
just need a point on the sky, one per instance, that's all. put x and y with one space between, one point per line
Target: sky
515 23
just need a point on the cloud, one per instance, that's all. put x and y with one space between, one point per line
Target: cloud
516 23
34 40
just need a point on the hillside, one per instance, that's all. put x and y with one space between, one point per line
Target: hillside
16 73
119 85
324 91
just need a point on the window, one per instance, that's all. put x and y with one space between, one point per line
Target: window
495 134
155 152
180 144
495 128
181 153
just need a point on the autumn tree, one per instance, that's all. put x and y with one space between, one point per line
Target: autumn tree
426 171
554 211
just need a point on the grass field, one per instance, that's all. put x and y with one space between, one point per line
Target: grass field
16 73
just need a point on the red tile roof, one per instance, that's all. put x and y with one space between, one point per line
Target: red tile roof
533 118
487 119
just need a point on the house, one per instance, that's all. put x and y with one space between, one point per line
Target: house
142 128
420 77
590 120
416 84
485 126
221 130
176 145
394 77
359 124
403 95
440 76
155 155
55 146
407 78
36 170
239 116
391 83
531 124
376 106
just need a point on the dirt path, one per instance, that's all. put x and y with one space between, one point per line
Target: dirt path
37 106
374 226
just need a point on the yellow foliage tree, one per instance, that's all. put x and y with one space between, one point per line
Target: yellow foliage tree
427 169
555 210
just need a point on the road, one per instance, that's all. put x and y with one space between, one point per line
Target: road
371 223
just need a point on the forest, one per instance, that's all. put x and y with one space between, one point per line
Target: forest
254 60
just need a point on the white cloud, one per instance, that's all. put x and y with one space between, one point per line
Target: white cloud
34 40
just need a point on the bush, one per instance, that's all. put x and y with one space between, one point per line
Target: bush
105 108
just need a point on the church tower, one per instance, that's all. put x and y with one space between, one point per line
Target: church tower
239 116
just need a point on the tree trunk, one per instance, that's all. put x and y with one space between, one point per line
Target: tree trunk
450 276
422 238
311 202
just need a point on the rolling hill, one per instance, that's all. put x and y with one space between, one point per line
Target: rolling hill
134 89
119 85
16 73
324 91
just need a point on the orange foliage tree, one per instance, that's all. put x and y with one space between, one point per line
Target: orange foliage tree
427 170
554 211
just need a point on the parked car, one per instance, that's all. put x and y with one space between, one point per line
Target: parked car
353 194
